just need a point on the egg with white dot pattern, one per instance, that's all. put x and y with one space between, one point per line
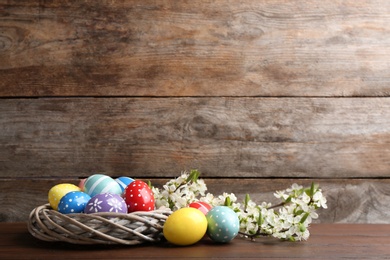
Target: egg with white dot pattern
138 197
73 202
101 183
222 224
58 191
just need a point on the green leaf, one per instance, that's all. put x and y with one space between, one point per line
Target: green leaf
194 175
171 204
312 189
299 192
302 227
246 201
303 219
260 219
228 201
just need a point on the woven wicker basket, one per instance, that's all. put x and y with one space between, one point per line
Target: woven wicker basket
98 228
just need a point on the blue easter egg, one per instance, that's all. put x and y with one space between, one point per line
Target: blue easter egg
100 183
124 182
222 224
73 202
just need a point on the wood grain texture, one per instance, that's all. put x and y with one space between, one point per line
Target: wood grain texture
222 137
349 201
254 94
327 241
194 48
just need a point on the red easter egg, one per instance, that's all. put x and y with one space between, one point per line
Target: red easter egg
202 206
138 197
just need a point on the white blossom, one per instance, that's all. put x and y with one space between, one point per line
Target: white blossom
320 200
291 221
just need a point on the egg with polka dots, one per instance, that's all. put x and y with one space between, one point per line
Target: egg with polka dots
138 197
58 191
73 202
222 224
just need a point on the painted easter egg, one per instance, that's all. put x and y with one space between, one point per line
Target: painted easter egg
222 224
73 202
202 206
185 226
100 183
139 197
106 202
124 182
58 191
81 183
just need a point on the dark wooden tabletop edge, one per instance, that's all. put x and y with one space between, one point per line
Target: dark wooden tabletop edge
327 241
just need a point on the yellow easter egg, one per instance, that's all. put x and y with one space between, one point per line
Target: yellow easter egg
185 226
58 191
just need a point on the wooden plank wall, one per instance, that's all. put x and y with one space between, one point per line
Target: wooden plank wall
257 95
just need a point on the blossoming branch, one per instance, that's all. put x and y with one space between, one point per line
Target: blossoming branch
288 220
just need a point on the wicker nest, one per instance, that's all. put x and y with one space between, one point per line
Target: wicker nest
98 228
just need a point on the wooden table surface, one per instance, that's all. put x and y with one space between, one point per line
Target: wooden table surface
327 241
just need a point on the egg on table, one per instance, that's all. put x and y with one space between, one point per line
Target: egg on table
185 226
222 224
